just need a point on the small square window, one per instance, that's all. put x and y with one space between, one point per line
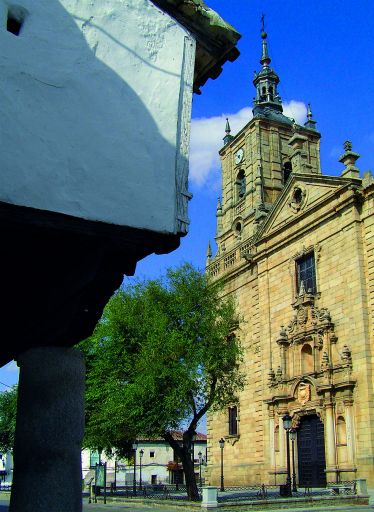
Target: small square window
152 454
94 458
14 26
15 19
306 273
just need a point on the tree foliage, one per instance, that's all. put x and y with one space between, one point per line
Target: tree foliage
8 411
163 354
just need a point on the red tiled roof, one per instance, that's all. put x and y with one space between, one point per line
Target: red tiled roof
177 435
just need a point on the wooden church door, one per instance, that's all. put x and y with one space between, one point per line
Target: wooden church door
311 452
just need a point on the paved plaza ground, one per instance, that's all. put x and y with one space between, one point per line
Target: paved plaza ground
110 507
131 507
117 508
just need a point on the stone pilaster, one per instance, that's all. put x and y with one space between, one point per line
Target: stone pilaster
330 444
299 156
349 425
271 441
282 444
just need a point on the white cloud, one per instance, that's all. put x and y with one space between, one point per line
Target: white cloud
295 109
206 140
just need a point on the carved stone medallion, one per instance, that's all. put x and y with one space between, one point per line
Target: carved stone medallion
303 393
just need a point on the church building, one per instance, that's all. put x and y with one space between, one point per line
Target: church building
295 250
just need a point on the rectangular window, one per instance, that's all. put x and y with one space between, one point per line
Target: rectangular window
151 454
233 421
306 273
94 458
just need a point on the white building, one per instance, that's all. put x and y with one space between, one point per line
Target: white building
156 463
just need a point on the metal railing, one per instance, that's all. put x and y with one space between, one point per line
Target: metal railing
149 491
232 494
272 492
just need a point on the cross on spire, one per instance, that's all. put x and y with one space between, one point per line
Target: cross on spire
265 59
263 22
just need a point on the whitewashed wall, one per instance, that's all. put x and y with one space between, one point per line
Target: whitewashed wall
156 465
95 110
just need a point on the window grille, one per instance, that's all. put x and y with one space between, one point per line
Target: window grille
306 273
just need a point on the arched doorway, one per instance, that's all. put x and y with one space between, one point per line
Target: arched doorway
311 452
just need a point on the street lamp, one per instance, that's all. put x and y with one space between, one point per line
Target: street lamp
141 453
293 439
200 455
287 423
222 445
134 447
115 474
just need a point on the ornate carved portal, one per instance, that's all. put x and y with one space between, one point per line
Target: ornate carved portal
309 346
314 378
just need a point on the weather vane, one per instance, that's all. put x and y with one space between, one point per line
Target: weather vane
263 22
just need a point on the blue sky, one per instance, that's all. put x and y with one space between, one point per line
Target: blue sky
323 52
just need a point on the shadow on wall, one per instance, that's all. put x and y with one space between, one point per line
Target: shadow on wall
71 122
74 134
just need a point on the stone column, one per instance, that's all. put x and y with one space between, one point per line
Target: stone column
49 431
330 443
349 425
282 444
283 356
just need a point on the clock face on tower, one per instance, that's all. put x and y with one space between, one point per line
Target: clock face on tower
238 156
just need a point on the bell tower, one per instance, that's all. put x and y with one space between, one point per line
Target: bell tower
258 161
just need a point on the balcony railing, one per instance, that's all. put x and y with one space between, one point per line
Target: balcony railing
230 259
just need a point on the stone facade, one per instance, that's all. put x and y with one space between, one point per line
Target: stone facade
295 249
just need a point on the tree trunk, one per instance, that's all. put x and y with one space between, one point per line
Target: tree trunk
185 455
189 474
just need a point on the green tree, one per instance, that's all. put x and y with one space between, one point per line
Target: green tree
8 411
163 354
